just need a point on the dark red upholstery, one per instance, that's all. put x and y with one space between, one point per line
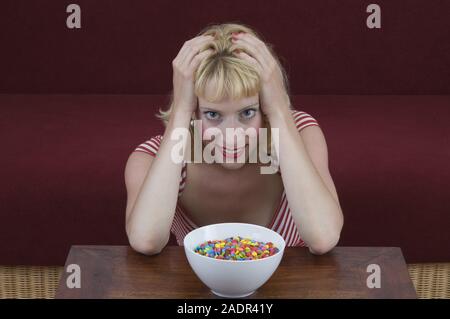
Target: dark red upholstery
63 159
125 47
63 156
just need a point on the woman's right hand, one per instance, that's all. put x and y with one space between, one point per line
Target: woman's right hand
184 65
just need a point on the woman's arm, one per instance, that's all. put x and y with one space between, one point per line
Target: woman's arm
152 192
152 202
316 212
309 188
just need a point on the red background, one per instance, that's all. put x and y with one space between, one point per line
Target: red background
128 46
63 156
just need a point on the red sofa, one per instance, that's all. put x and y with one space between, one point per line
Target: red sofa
63 159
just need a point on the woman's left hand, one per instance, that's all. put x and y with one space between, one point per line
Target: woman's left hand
273 95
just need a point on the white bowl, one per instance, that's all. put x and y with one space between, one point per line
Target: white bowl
230 278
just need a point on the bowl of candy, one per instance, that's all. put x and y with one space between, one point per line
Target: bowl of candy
234 259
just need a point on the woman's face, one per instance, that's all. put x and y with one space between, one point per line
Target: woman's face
239 115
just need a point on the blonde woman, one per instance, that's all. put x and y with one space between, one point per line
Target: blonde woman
228 77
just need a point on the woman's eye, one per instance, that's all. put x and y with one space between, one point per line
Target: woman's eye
211 115
248 113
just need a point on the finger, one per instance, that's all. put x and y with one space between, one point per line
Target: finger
255 48
250 50
257 43
240 47
186 46
249 59
196 60
194 48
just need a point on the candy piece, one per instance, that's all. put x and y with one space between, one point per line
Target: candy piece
236 248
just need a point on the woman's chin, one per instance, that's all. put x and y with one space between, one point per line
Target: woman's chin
232 163
232 166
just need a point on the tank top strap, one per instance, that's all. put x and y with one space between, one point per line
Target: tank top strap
182 177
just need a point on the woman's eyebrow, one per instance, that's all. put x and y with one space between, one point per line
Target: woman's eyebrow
211 109
207 108
245 107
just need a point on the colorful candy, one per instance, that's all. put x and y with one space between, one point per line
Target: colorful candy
236 248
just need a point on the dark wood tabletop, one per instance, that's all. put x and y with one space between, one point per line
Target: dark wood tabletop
120 272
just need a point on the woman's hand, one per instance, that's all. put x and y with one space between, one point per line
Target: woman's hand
184 65
273 95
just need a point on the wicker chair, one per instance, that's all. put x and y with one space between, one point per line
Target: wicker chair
431 280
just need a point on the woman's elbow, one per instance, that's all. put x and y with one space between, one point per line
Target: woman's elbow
144 246
328 240
320 250
324 246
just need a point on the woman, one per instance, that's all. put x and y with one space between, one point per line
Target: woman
227 77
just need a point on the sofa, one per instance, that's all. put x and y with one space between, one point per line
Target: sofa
63 160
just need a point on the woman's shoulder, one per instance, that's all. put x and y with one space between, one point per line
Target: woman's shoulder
303 119
150 146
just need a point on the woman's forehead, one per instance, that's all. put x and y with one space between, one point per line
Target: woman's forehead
228 104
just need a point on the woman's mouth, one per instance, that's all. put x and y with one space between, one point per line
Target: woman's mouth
232 153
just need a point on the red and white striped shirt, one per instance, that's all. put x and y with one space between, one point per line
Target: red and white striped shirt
282 220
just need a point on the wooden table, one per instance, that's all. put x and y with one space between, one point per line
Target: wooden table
120 272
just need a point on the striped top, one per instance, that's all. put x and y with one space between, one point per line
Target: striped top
282 220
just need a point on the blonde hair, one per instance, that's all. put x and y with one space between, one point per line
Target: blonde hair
229 75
